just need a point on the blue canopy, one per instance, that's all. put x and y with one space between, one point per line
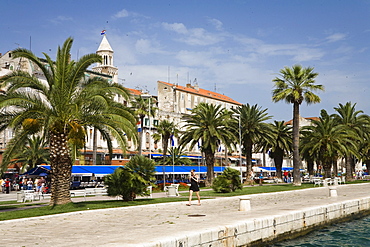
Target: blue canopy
37 171
105 170
183 156
90 170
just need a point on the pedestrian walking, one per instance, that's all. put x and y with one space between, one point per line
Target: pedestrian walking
194 187
7 186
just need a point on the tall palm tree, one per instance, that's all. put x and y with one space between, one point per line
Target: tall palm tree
354 120
253 129
30 154
143 107
364 150
325 139
209 124
294 86
281 144
62 106
166 129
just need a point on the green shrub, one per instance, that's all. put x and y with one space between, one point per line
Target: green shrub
228 181
131 180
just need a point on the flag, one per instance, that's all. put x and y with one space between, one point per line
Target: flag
172 141
138 125
102 32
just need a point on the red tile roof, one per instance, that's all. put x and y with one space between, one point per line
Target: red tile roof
202 92
134 91
290 122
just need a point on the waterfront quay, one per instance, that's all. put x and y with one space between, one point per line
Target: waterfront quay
217 222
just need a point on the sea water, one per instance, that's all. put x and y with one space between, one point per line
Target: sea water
354 233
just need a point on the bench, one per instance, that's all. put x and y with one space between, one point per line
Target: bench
172 190
95 192
318 182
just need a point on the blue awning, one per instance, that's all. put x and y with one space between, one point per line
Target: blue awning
37 171
183 156
100 171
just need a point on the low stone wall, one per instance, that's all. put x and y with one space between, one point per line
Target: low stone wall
264 229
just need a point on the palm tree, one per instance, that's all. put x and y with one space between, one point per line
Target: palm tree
208 124
253 129
177 157
364 150
281 145
63 105
166 129
29 154
143 107
294 86
355 121
132 179
325 139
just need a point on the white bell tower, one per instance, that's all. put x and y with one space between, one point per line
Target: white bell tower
106 67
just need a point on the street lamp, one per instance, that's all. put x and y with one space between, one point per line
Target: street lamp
148 96
240 147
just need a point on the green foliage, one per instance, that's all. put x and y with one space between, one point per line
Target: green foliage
253 128
208 125
61 107
30 153
228 181
131 180
143 166
176 158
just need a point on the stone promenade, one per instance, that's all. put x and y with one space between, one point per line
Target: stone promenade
168 224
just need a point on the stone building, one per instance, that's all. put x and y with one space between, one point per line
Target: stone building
172 100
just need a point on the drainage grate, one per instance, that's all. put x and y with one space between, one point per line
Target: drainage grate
196 215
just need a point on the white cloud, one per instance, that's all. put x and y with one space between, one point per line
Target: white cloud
176 27
193 36
59 19
147 46
124 13
121 14
216 23
335 37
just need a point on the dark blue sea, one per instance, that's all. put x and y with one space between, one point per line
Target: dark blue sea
354 233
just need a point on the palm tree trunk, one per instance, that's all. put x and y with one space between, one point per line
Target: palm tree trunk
349 176
165 147
95 146
248 156
327 169
141 135
278 160
210 162
61 169
310 165
335 167
296 158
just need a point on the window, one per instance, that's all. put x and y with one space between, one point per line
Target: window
155 122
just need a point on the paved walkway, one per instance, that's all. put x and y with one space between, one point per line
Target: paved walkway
140 225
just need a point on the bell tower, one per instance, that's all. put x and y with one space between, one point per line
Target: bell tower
106 67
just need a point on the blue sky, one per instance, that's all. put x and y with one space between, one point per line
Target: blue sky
234 47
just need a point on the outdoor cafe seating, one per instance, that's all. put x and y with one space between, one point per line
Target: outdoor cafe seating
327 181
